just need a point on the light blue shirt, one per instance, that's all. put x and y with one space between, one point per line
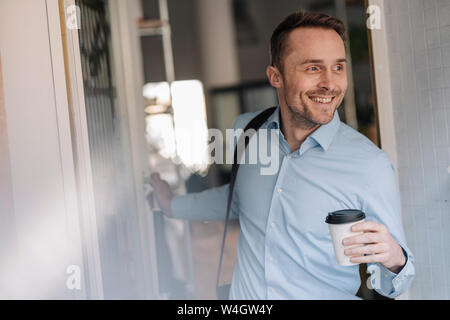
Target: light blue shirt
285 249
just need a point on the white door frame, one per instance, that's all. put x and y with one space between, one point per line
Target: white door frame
128 67
383 91
67 95
68 47
382 84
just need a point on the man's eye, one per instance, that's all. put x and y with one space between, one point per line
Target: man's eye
339 68
313 68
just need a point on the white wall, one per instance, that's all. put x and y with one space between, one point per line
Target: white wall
7 227
45 230
218 58
418 47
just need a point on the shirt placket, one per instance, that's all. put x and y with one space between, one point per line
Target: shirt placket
270 259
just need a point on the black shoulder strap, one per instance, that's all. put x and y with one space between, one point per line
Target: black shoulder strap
254 124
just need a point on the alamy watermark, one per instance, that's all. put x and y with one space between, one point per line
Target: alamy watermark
374 280
73 281
73 17
262 149
374 20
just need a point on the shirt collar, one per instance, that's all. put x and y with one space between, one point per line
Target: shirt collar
323 136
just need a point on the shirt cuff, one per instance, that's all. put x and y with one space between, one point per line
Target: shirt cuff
178 206
390 284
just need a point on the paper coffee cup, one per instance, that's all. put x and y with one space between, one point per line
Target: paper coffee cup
340 223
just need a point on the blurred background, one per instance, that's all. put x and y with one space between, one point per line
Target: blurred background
95 95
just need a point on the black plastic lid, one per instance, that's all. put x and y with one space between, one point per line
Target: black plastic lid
345 216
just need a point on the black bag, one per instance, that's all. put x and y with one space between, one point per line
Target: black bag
223 291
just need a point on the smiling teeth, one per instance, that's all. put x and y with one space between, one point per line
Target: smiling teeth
322 100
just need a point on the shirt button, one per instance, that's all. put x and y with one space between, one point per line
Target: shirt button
270 259
280 190
289 156
273 225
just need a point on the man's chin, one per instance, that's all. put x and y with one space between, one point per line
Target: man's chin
323 117
321 121
312 116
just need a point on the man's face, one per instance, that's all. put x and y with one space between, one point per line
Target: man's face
313 76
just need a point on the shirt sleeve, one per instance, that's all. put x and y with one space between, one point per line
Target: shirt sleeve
208 205
382 205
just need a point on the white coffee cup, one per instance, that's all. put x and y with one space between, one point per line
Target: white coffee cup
340 223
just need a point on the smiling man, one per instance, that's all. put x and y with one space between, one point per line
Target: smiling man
285 249
308 69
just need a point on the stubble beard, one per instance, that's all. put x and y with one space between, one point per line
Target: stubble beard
302 120
302 117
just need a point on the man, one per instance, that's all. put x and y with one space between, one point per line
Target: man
285 249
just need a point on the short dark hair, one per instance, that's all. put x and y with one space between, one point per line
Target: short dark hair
296 20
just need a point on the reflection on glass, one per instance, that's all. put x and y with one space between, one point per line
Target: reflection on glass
160 134
176 123
190 124
157 93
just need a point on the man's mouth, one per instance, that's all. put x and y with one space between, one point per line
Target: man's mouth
323 100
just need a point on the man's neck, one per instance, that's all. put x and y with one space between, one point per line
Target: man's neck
294 135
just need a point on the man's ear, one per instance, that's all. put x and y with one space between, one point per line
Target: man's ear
274 76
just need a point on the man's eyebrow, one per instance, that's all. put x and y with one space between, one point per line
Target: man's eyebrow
320 61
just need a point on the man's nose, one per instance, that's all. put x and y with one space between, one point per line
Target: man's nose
326 81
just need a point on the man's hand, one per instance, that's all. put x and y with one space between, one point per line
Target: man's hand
379 245
163 193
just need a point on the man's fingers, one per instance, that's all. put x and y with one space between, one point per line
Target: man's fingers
369 249
155 176
368 226
157 181
381 257
367 237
